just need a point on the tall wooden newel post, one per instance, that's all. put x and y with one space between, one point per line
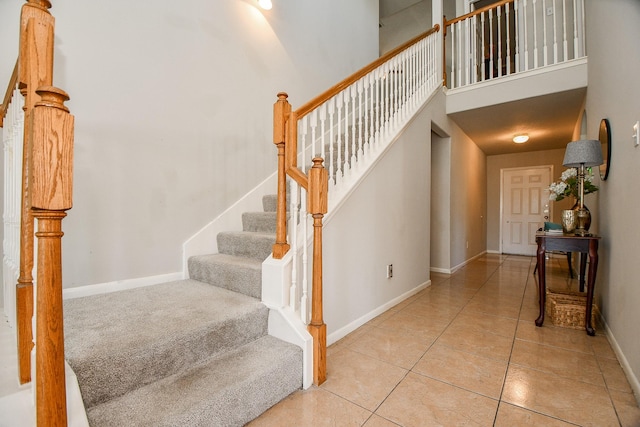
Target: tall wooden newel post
51 177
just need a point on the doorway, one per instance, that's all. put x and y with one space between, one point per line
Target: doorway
524 202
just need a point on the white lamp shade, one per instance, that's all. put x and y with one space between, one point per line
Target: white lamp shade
587 152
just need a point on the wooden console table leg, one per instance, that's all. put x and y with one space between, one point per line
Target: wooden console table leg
541 282
583 269
593 267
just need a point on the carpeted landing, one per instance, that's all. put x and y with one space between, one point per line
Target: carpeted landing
187 353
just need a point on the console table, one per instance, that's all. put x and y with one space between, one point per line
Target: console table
585 245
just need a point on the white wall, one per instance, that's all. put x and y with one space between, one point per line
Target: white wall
440 203
173 105
614 91
401 21
385 221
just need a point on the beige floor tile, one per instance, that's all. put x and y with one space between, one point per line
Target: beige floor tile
399 347
614 376
481 343
465 370
382 317
513 416
378 421
570 339
312 407
421 401
486 322
502 308
602 348
572 401
361 379
427 326
626 408
564 363
423 307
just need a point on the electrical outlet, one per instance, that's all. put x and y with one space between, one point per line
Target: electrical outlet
467 244
389 271
636 134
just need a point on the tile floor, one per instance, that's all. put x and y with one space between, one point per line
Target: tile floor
466 352
463 352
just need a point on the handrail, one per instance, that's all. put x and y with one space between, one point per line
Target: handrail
13 81
323 97
476 12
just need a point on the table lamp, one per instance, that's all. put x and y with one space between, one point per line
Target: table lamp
581 154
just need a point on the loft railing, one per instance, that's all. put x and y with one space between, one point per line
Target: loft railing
326 146
38 138
512 36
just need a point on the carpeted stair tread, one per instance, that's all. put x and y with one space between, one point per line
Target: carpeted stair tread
246 244
123 340
238 274
252 377
264 222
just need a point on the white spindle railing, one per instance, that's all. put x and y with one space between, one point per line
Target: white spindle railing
513 36
349 131
12 138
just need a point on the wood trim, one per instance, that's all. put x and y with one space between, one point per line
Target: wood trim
477 12
299 177
320 99
13 81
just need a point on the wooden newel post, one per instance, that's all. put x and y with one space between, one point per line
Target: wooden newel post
51 178
35 69
317 207
281 110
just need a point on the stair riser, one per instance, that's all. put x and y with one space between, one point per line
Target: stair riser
261 222
250 245
212 269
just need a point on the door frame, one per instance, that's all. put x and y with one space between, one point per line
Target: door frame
502 170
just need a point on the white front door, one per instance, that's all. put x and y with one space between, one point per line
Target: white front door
525 204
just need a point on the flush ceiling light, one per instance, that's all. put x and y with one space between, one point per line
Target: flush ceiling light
521 139
265 4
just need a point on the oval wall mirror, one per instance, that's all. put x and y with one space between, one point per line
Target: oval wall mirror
604 135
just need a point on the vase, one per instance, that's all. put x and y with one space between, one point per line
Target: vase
569 220
583 217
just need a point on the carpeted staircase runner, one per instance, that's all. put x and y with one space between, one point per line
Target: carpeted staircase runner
187 353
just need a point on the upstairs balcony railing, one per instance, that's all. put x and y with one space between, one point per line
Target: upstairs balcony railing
512 36
326 146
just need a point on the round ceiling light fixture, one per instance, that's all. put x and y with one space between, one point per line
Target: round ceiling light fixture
265 4
521 139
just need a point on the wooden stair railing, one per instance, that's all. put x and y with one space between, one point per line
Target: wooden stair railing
46 195
286 140
285 137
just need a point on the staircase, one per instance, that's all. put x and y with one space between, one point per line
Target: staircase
192 352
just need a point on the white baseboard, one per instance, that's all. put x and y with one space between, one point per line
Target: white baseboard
634 382
491 251
459 266
347 329
119 285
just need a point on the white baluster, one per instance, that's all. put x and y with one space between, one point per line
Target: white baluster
323 142
452 83
354 147
305 271
565 44
492 46
486 50
499 41
332 166
582 34
526 35
360 110
340 145
508 20
535 34
517 34
302 141
313 124
293 238
575 31
367 110
555 33
544 32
